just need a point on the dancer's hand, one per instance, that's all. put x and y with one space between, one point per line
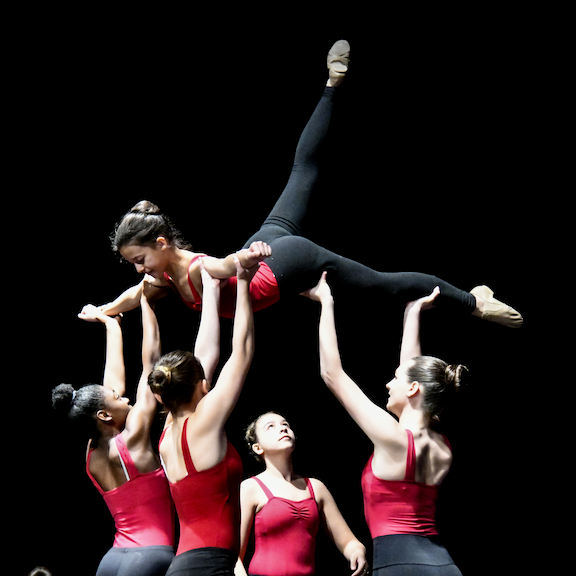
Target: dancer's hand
91 313
359 564
257 252
245 273
424 303
321 292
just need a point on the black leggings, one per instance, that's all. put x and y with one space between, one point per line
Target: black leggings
204 562
142 561
411 555
298 262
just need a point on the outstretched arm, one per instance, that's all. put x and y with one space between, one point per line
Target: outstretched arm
215 408
152 288
140 418
376 423
248 257
114 372
410 347
207 347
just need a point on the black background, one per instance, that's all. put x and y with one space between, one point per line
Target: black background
432 166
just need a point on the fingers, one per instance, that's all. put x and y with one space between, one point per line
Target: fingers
260 250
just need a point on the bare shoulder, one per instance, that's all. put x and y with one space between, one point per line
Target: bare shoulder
320 489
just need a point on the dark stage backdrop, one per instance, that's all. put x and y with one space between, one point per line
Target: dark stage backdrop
427 170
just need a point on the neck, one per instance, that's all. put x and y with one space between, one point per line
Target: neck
178 261
107 432
280 466
413 418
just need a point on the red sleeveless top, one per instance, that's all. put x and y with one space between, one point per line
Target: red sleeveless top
208 502
264 291
142 508
285 535
399 506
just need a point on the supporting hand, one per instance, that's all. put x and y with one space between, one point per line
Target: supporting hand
321 292
256 252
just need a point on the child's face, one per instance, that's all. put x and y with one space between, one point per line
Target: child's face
147 259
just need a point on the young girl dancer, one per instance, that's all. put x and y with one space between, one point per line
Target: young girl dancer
286 508
146 238
203 468
400 483
120 461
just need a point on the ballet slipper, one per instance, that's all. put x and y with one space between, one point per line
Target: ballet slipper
496 311
338 60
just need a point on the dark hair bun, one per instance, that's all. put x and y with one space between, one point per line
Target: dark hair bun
146 207
159 379
456 376
62 397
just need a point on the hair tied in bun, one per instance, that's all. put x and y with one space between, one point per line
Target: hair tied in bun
456 376
146 207
167 372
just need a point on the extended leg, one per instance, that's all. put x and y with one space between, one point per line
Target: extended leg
290 210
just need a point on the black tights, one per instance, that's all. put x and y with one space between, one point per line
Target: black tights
298 262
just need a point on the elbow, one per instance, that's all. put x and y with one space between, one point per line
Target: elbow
327 375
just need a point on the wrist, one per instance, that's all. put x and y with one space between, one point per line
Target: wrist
243 261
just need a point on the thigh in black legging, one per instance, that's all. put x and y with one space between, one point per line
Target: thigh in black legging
298 263
142 561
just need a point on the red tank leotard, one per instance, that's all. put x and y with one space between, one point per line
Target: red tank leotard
399 506
264 291
285 535
208 502
142 507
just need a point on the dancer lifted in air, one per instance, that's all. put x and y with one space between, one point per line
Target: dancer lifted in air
147 238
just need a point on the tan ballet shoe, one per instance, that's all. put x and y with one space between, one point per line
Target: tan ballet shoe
338 61
496 311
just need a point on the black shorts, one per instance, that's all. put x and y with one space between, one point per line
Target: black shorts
411 555
204 562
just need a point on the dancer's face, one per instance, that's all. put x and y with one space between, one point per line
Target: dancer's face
274 435
399 389
148 259
116 408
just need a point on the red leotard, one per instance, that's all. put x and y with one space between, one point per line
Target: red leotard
208 502
285 535
264 291
142 508
399 506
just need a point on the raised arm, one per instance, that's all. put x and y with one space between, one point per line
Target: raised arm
114 371
376 423
207 347
215 408
410 347
140 418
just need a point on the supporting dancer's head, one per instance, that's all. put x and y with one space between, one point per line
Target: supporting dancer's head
145 237
93 409
270 434
177 378
425 383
